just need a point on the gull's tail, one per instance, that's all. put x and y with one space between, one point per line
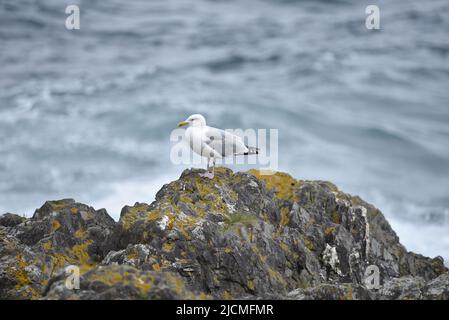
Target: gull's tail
251 150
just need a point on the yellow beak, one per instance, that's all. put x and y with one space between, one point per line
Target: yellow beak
182 123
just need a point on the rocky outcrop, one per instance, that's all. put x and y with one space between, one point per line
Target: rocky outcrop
239 235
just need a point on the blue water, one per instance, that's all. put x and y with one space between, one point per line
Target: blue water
87 113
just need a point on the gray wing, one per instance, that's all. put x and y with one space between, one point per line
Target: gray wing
225 143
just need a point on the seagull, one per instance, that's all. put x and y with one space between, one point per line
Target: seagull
213 143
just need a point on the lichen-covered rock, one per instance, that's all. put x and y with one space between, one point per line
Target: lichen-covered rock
238 235
59 234
344 291
438 288
11 220
415 288
404 288
123 282
248 234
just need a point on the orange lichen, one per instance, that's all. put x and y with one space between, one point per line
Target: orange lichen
55 225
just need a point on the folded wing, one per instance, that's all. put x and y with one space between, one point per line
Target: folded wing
224 143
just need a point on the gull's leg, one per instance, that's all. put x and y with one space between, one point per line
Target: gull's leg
207 174
213 168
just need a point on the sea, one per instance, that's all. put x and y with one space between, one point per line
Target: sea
87 113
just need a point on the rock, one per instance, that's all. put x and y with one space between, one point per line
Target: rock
123 282
438 288
11 220
239 235
59 234
344 291
404 288
415 288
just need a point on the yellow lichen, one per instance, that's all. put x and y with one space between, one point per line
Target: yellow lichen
80 252
348 295
309 244
185 199
285 216
167 247
251 285
55 225
277 276
153 215
47 245
202 296
156 267
80 233
227 295
283 184
57 205
133 255
110 277
21 275
285 247
133 214
328 231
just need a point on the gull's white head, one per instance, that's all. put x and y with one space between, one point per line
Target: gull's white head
195 120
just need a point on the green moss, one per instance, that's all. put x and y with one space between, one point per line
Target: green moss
239 219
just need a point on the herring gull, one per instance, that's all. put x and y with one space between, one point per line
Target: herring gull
213 143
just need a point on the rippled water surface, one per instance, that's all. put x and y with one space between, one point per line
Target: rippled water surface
87 114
